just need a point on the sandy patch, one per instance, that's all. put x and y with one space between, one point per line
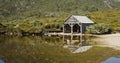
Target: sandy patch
111 40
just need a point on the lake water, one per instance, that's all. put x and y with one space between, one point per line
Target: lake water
18 48
30 49
31 39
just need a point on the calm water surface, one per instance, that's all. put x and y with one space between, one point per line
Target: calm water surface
27 49
32 49
30 39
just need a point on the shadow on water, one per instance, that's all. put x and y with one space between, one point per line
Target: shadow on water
31 39
56 40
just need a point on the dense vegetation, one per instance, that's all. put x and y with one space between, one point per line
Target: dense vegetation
109 17
40 15
21 9
98 29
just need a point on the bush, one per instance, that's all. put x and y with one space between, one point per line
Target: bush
98 29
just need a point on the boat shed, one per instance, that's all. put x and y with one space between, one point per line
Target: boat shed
76 24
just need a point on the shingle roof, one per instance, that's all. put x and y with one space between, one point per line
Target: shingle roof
83 19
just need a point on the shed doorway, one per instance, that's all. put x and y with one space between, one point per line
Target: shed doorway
76 28
67 28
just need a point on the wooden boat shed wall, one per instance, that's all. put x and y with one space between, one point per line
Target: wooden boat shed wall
76 24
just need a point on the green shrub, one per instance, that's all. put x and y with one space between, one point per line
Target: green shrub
98 28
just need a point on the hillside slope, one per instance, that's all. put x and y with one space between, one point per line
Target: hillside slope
110 17
20 9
